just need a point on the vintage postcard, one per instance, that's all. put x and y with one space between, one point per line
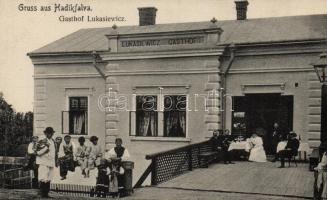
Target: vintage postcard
163 99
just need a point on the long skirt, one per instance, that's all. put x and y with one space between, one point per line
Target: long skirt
102 183
258 154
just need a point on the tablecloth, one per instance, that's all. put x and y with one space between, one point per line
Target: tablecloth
243 145
304 147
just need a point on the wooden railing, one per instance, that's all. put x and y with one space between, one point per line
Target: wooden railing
91 190
12 160
16 178
166 165
12 174
74 190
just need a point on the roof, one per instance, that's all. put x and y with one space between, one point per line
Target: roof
306 27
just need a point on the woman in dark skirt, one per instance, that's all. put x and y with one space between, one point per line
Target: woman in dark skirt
117 155
66 157
102 184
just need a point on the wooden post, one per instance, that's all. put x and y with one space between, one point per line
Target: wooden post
128 176
323 118
199 161
154 180
189 157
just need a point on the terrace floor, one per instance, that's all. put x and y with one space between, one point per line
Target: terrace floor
240 181
248 178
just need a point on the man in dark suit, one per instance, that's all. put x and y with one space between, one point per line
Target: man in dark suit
290 150
220 142
214 140
277 136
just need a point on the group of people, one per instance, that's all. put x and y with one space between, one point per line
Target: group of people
47 153
220 141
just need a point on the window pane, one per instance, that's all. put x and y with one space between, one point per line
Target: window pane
78 122
146 116
83 103
74 103
78 115
78 103
175 116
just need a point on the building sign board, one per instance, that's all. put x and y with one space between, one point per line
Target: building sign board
162 42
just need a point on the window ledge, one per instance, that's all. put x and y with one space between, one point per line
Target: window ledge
163 139
76 136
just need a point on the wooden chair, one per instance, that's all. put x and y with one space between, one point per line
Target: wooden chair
292 158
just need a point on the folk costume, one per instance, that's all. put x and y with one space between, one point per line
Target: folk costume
116 155
31 154
95 156
82 156
102 183
46 160
66 158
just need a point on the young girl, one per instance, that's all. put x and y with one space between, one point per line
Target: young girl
82 156
31 153
66 157
115 172
102 184
95 153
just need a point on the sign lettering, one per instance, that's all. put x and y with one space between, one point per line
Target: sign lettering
161 42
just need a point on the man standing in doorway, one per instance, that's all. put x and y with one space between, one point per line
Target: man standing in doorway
276 138
46 153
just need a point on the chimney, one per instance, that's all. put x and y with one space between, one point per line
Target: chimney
241 9
147 16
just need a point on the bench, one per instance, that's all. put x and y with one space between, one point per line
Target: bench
206 158
314 159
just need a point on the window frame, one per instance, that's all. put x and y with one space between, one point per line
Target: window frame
186 115
87 129
160 111
155 111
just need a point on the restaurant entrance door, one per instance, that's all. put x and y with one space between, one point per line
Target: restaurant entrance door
256 113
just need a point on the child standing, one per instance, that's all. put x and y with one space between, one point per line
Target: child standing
31 153
58 142
102 184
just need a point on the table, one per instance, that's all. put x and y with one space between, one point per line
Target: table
305 148
243 145
281 146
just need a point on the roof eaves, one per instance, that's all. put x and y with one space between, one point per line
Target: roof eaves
76 53
277 42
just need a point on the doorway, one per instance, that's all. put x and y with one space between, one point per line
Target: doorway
256 113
